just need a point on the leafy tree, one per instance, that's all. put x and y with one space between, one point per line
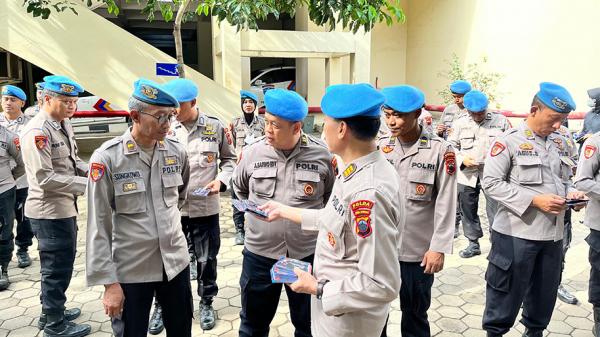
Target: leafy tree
474 73
244 14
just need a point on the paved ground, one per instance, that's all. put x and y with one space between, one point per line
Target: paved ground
457 305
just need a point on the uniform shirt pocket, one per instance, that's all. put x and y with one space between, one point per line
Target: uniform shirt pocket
60 151
130 196
467 139
308 185
334 226
421 184
171 182
263 182
529 170
208 154
566 168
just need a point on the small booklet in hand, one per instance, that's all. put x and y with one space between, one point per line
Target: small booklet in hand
201 192
248 206
283 270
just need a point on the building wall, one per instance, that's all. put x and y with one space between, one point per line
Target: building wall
388 52
527 41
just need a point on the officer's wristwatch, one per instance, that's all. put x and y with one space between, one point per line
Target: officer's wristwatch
320 286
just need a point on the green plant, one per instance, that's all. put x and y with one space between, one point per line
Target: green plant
476 74
244 14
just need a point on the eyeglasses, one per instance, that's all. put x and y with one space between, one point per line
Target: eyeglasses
162 119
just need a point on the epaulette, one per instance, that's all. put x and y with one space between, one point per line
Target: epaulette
110 143
316 140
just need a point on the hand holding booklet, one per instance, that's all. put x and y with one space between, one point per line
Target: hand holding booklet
248 206
283 270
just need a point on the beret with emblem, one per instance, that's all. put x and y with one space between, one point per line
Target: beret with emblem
40 85
248 94
153 93
286 104
62 85
476 101
352 100
11 90
403 98
555 97
182 89
460 87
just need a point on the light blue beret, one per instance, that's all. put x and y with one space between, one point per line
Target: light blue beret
286 104
460 87
352 100
40 85
556 97
248 94
403 98
182 89
62 85
476 101
153 93
11 90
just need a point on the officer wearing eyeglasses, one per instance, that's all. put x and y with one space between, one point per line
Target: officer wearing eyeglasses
135 245
56 176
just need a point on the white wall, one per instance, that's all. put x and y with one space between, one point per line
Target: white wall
527 41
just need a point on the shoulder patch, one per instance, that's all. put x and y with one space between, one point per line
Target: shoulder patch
497 148
41 141
589 151
17 143
362 217
97 171
450 162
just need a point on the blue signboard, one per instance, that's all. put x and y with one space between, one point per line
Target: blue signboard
166 69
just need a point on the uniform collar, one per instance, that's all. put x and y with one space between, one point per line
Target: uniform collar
359 163
130 146
243 119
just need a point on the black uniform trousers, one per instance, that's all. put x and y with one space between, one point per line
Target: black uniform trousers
593 241
260 298
57 243
469 204
175 298
24 237
415 299
205 236
7 220
521 271
238 216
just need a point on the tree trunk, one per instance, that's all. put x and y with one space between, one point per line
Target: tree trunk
177 36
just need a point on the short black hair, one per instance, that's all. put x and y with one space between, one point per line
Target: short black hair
363 128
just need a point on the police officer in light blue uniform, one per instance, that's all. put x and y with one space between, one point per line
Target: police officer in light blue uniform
527 171
13 100
245 129
289 166
56 177
458 89
426 166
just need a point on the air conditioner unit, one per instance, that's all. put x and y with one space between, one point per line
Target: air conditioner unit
10 67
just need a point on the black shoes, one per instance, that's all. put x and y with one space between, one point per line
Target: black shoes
156 325
4 281
471 250
23 259
69 315
565 296
57 325
207 316
239 238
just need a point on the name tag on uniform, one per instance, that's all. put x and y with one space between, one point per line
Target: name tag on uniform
128 187
209 130
170 160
